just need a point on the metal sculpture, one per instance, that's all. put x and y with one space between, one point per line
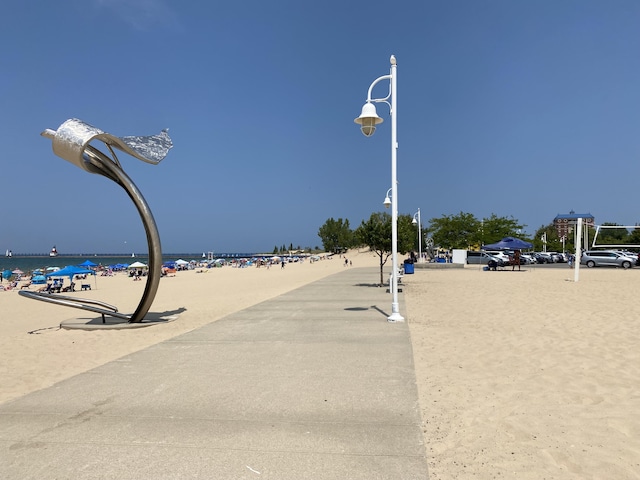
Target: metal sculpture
72 143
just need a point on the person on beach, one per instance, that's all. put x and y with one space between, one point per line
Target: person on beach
282 265
516 260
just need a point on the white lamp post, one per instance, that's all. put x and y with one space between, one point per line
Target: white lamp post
387 201
417 222
368 120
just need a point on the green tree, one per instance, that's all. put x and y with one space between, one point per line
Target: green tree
465 231
496 228
455 231
376 234
336 235
613 236
634 236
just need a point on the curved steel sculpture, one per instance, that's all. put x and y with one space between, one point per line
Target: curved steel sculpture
72 142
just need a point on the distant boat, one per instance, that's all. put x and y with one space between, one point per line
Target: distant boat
8 253
133 255
203 255
53 252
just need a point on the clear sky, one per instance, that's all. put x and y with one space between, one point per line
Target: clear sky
518 108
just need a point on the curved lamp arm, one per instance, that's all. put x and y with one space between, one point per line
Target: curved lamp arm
72 143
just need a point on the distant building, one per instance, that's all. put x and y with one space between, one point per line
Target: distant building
565 222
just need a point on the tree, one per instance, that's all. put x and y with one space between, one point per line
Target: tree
496 228
336 235
465 231
455 231
634 236
613 236
376 234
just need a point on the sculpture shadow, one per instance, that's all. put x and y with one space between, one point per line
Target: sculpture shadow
110 323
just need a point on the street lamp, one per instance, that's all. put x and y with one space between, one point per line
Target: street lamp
368 120
387 201
417 222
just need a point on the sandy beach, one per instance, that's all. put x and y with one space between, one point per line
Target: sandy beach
528 374
524 375
35 353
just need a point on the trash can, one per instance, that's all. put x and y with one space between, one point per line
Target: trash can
408 267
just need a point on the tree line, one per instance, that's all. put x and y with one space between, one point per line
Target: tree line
460 231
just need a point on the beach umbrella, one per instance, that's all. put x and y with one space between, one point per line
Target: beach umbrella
39 279
6 274
52 269
17 271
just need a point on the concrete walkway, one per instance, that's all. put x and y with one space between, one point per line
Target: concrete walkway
314 384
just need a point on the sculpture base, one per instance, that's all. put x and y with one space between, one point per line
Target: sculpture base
114 323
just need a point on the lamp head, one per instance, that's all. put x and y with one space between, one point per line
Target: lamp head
414 222
368 119
387 202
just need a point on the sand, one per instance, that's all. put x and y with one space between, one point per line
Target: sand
528 375
35 353
524 375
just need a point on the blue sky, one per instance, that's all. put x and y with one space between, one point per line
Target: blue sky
517 108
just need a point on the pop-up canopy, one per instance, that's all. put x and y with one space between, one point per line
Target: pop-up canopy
509 243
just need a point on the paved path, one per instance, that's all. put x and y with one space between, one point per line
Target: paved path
313 384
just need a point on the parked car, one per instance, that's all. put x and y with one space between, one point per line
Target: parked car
504 256
627 253
483 258
527 258
606 258
559 257
544 257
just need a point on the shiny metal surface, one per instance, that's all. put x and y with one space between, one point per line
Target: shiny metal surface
72 143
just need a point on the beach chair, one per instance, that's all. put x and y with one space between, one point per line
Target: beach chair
46 288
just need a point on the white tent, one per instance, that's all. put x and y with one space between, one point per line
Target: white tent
137 265
181 262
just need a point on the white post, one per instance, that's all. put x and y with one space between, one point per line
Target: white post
576 263
419 238
395 310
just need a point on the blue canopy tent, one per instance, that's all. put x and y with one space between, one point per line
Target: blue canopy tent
509 243
71 271
88 263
